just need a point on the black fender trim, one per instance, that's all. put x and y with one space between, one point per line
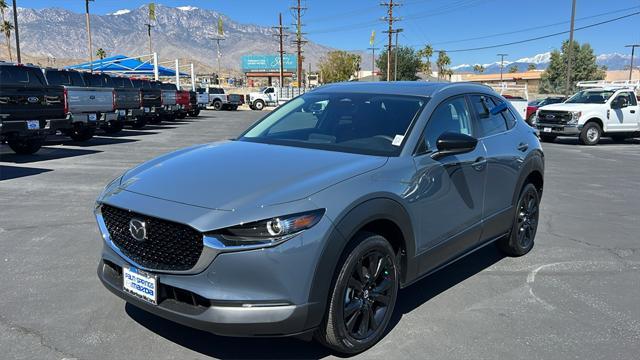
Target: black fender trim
352 221
534 162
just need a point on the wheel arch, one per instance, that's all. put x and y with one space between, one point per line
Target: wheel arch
596 120
382 216
532 172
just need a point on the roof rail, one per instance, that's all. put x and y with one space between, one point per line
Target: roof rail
616 84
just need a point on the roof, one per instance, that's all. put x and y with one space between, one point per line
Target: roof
124 64
419 88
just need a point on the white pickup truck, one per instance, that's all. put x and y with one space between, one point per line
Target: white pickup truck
516 94
220 100
600 109
272 96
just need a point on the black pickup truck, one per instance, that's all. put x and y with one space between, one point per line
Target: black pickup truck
30 109
151 103
128 100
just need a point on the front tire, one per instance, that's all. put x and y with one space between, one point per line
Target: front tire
258 105
363 298
525 223
26 146
590 134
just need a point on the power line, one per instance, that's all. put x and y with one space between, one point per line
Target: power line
543 36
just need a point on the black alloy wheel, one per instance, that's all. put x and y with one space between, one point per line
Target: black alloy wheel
363 297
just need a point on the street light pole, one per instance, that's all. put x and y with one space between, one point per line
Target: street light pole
15 27
570 50
633 48
89 35
502 65
395 57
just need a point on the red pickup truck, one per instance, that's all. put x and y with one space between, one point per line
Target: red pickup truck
183 100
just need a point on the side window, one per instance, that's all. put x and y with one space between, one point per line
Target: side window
269 91
451 115
488 123
625 99
509 117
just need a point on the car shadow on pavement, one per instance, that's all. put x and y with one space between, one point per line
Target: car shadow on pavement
14 172
158 127
94 141
44 154
292 348
127 132
433 285
227 347
605 141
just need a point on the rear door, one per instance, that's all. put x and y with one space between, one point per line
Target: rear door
449 196
505 154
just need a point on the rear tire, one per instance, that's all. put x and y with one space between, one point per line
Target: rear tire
113 127
363 296
234 107
548 138
590 134
217 105
26 146
525 223
82 133
139 123
155 120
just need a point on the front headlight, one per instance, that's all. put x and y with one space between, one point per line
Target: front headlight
111 188
267 232
575 116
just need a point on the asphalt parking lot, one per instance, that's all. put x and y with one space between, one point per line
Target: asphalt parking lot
576 295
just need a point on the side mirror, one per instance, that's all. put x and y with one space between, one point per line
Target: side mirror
450 143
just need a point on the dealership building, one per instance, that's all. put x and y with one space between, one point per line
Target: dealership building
257 68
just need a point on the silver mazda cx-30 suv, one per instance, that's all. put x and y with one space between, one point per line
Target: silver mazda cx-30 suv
313 219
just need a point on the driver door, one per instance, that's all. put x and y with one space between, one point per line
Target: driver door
624 112
447 195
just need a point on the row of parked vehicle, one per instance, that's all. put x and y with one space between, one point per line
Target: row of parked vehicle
36 102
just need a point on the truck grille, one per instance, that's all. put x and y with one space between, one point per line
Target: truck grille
168 246
553 117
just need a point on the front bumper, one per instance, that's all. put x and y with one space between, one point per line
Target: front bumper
559 129
260 292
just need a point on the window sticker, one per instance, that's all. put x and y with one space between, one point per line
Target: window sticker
397 140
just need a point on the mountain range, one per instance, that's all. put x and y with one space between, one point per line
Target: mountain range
613 61
183 32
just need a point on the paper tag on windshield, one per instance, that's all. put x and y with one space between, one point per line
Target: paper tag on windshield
397 140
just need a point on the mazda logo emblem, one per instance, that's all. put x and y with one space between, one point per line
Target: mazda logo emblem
138 229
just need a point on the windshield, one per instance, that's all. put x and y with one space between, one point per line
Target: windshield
590 97
371 124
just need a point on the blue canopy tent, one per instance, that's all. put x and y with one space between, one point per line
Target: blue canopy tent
124 65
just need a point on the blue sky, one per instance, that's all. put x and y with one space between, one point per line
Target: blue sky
348 24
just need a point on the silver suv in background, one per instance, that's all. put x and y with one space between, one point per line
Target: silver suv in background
311 221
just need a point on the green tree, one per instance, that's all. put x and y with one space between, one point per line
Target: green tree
531 67
6 27
339 66
584 67
101 53
442 62
408 63
478 68
426 53
513 69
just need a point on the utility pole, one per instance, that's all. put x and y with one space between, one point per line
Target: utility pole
149 26
570 50
632 46
15 27
298 41
502 65
373 60
86 2
281 35
390 19
395 56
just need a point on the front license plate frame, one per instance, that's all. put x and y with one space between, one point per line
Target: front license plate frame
140 284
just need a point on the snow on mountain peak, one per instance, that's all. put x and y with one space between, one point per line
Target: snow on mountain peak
186 8
537 59
120 12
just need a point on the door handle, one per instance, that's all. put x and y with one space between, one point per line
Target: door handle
479 164
633 111
523 147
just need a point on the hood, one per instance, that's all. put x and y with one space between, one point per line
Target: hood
236 174
571 107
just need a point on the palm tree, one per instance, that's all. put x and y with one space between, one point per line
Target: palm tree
426 52
513 69
442 62
6 28
478 68
101 53
531 67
